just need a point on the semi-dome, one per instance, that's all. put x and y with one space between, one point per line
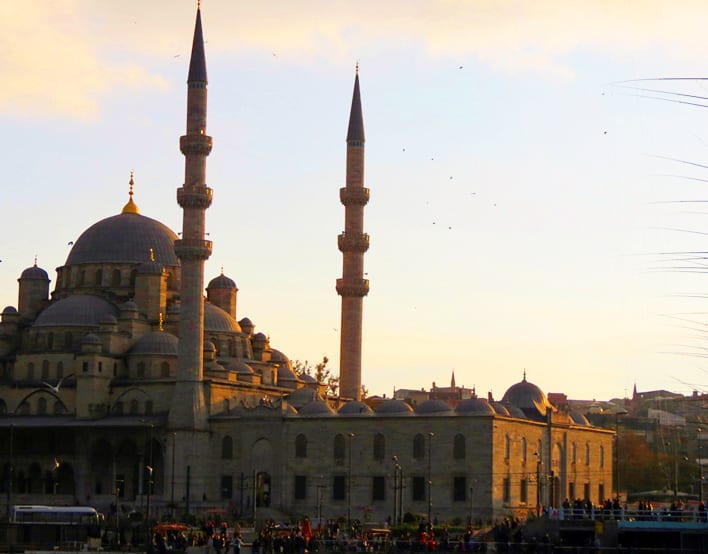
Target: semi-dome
579 419
237 365
9 310
129 306
78 310
355 408
222 282
125 238
500 409
91 339
157 342
433 406
393 406
472 406
151 268
529 398
300 397
315 408
216 320
34 272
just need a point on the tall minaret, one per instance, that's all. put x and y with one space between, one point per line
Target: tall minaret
353 242
188 410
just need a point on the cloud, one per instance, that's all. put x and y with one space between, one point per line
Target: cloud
52 68
60 57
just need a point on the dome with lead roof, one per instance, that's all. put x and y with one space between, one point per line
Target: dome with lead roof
125 238
529 398
433 407
216 320
34 272
222 282
471 406
157 342
315 408
394 406
78 310
355 408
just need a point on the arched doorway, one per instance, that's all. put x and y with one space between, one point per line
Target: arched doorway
263 496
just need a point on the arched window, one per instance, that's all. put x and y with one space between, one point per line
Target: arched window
115 278
379 447
164 369
339 448
227 448
419 447
301 446
574 453
68 340
82 277
524 450
60 370
59 408
507 447
134 406
602 456
587 454
141 369
99 277
215 342
42 406
30 370
133 274
45 369
50 341
459 447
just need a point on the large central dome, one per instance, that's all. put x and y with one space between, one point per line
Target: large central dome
125 238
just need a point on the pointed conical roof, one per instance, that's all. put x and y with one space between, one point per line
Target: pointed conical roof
356 119
197 63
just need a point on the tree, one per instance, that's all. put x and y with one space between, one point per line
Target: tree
320 372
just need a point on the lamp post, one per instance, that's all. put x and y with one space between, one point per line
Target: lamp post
349 485
430 480
172 491
10 470
320 486
618 413
700 465
538 483
396 469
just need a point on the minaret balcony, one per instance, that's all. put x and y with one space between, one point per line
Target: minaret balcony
353 287
354 196
195 197
353 242
193 249
195 144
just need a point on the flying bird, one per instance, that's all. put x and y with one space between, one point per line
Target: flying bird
70 242
58 385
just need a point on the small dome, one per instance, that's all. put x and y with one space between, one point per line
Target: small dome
579 419
151 268
90 338
307 378
500 409
129 306
529 398
259 337
157 342
77 310
515 411
237 365
355 408
216 320
472 406
34 272
303 396
315 408
222 282
245 322
209 346
9 310
433 406
394 406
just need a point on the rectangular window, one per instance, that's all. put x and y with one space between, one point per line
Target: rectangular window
571 491
339 491
418 487
601 492
524 491
300 487
459 489
227 487
586 491
507 490
378 487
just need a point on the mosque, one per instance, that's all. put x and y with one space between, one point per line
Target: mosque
126 385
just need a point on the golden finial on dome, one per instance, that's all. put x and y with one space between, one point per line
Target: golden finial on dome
35 260
222 270
152 255
161 321
357 67
130 207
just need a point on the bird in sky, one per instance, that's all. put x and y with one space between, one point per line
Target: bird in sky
56 387
70 242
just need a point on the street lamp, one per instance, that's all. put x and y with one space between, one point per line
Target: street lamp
10 472
349 486
700 466
172 494
320 486
618 413
430 480
396 469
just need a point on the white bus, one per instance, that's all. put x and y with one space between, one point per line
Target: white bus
56 526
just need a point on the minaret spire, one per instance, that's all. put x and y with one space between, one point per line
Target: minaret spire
188 410
353 243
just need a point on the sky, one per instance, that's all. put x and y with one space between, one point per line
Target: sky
536 173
